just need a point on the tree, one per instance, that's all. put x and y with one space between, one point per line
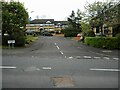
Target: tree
74 21
14 17
101 13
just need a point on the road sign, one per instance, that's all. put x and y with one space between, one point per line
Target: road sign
11 41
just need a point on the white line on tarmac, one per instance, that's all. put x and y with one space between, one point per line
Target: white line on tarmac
106 58
70 57
7 67
57 47
116 58
115 70
61 52
96 57
46 68
87 57
107 51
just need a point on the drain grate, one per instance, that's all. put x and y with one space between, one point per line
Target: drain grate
63 82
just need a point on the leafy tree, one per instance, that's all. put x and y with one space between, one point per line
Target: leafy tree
101 13
14 17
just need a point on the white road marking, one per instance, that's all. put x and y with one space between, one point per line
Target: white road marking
61 52
57 47
115 70
7 67
97 57
46 68
87 56
70 57
106 58
116 58
107 51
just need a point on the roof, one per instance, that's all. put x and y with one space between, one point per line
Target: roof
41 21
61 22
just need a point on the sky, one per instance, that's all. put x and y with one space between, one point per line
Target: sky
53 9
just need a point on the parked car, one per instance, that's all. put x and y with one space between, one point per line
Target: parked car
46 34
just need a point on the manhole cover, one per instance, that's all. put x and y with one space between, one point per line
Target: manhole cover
63 82
31 69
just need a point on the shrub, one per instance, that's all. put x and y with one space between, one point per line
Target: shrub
118 37
90 33
19 40
70 34
102 42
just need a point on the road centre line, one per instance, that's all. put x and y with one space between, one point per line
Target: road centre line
57 47
115 70
7 67
61 52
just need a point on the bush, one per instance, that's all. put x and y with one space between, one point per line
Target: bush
90 33
70 34
118 37
19 40
102 42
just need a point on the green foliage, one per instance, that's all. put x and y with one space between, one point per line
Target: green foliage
14 16
118 37
102 42
74 26
18 37
85 26
90 33
70 32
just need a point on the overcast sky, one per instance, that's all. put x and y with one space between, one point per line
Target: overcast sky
54 9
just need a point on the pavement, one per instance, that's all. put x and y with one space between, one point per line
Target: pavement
58 62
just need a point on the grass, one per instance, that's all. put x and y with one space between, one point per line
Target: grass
30 39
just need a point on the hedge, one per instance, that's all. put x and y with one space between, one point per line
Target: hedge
70 34
19 41
103 42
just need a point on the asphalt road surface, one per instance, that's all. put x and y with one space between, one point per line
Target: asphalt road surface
58 62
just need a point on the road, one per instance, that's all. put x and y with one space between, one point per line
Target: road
58 62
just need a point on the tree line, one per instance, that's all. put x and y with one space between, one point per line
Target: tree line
96 14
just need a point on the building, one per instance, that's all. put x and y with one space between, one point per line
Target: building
39 25
108 22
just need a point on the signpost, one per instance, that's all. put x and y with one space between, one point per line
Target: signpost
11 42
